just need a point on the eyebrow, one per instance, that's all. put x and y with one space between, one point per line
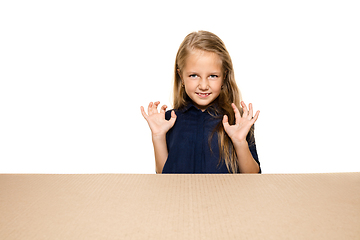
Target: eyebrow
211 73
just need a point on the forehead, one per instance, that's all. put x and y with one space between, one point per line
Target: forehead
199 59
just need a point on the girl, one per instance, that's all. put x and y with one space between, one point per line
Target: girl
207 132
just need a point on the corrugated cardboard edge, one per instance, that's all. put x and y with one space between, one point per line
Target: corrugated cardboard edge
201 206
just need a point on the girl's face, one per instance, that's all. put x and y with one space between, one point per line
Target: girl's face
202 77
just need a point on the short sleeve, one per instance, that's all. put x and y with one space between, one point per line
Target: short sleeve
252 146
254 154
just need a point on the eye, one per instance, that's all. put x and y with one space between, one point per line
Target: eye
213 76
193 75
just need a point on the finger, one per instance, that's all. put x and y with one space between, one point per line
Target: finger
245 110
237 113
143 112
163 108
256 116
154 107
149 107
250 112
156 104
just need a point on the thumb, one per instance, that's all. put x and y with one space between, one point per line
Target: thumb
226 122
173 118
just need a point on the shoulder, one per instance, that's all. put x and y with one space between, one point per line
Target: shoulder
178 112
168 113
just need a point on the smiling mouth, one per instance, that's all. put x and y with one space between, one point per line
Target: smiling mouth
203 94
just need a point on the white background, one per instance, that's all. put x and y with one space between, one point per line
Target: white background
73 75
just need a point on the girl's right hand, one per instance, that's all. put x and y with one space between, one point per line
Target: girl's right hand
156 120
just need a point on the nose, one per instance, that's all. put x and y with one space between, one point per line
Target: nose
203 84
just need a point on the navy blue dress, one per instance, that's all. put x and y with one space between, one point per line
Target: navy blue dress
188 143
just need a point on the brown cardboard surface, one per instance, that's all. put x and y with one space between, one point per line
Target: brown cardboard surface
134 206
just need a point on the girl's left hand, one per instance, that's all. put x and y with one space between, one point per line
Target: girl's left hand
240 130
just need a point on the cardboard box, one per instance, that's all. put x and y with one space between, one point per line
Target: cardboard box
134 206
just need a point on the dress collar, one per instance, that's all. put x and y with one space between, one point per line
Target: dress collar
209 110
187 107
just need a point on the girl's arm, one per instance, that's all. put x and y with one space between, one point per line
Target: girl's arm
238 133
247 163
159 126
160 151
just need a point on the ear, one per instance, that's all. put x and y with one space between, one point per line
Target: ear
223 80
179 72
182 81
225 74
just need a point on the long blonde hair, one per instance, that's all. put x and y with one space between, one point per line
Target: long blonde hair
207 41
